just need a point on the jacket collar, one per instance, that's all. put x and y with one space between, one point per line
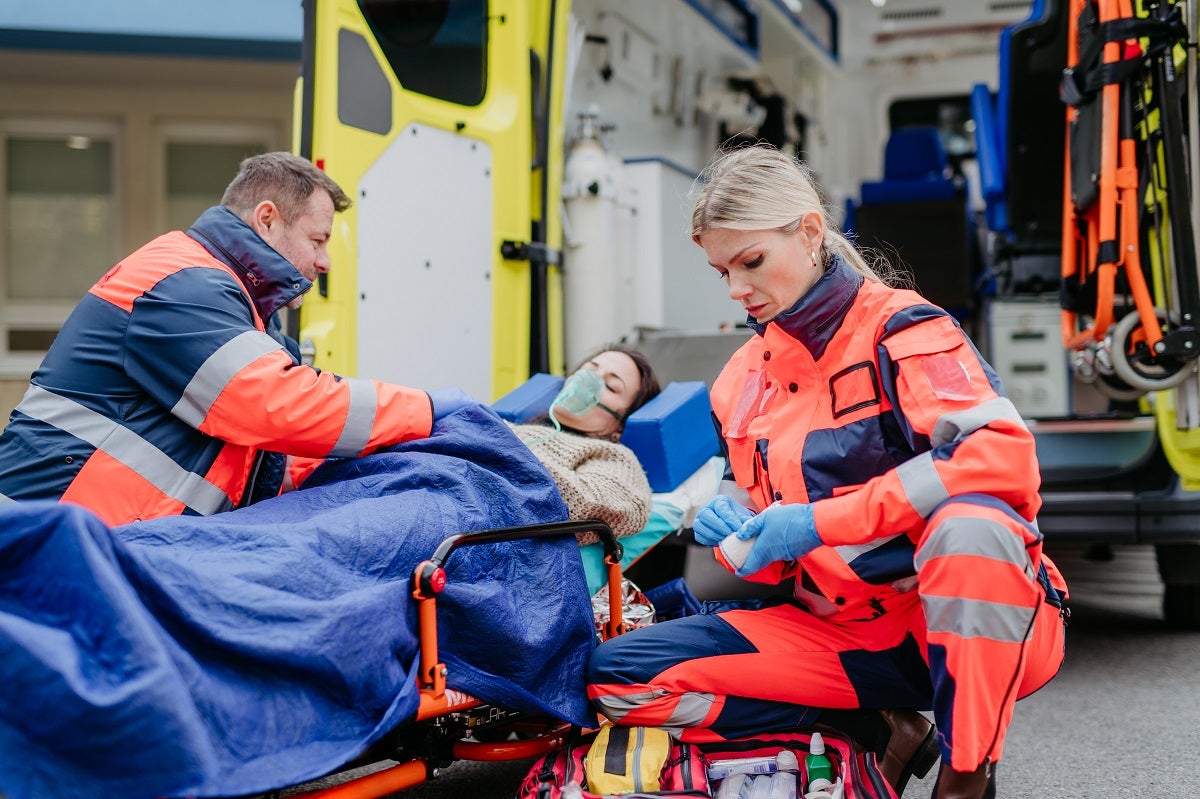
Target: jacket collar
817 315
271 280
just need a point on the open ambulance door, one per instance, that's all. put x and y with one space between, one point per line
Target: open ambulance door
441 120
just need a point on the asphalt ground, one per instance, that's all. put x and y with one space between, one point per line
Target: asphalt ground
1121 719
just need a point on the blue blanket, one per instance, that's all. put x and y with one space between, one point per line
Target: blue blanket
260 648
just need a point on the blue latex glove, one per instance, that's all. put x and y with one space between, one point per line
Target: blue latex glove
446 401
719 518
780 533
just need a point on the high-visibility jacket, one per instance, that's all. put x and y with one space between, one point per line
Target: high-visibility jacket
169 378
873 406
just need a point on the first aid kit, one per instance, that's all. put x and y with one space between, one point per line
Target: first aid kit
645 762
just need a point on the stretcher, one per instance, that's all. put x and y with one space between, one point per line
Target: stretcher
450 725
237 653
1131 292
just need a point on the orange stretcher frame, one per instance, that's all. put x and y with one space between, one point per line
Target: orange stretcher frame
1113 218
436 701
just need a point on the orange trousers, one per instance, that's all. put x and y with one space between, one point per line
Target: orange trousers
983 628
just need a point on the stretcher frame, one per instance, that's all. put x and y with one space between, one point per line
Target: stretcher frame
435 736
1140 332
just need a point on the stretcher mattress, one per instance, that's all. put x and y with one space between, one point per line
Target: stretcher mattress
263 647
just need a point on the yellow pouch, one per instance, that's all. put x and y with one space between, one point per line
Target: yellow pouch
625 759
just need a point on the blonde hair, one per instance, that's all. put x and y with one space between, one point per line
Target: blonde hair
757 187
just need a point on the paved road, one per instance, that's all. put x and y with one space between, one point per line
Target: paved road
1123 717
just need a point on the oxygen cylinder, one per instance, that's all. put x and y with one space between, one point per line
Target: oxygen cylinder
591 278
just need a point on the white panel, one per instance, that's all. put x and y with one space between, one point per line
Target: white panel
1028 356
424 263
673 285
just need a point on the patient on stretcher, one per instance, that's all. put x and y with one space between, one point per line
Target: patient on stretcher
598 477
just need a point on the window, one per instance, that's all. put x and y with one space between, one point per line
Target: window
438 49
59 226
60 211
199 160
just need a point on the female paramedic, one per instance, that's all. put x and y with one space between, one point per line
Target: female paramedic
598 477
888 474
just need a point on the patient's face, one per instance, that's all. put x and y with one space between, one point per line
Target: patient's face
621 385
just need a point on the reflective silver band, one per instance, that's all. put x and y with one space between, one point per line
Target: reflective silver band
127 447
691 711
360 418
922 484
954 426
4 499
215 373
977 618
982 538
849 552
288 481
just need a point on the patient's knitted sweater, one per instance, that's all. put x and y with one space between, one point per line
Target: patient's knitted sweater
598 479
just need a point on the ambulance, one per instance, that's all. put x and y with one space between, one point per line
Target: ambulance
521 172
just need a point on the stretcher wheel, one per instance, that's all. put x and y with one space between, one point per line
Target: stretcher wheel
1140 370
1181 605
1117 389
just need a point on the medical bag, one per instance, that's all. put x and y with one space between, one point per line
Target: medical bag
702 769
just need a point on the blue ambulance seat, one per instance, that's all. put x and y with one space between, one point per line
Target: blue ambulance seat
1019 140
915 168
919 218
674 440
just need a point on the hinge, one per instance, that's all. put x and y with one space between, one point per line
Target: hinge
535 252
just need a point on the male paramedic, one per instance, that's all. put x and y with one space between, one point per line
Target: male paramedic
171 389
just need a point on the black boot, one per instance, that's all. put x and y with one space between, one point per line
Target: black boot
912 748
977 784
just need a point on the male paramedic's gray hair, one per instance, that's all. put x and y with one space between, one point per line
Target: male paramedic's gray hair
285 179
759 188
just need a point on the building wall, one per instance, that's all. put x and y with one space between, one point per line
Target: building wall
149 100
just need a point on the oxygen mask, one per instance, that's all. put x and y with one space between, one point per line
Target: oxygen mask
580 393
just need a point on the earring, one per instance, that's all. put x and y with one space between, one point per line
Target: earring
813 255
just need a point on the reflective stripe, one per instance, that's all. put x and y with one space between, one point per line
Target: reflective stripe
849 552
922 484
618 707
289 482
977 618
970 536
954 426
691 710
360 418
127 447
217 370
4 498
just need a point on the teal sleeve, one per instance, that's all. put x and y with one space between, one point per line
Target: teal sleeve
657 528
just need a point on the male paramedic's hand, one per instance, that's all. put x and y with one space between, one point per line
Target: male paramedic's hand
722 516
446 401
780 533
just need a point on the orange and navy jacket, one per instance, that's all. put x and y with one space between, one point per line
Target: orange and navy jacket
874 406
170 377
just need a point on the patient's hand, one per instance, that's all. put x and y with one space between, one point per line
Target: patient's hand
719 518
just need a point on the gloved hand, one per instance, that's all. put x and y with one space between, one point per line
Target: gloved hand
446 401
719 518
781 532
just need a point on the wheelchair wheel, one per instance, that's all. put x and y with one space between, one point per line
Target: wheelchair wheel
1140 370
